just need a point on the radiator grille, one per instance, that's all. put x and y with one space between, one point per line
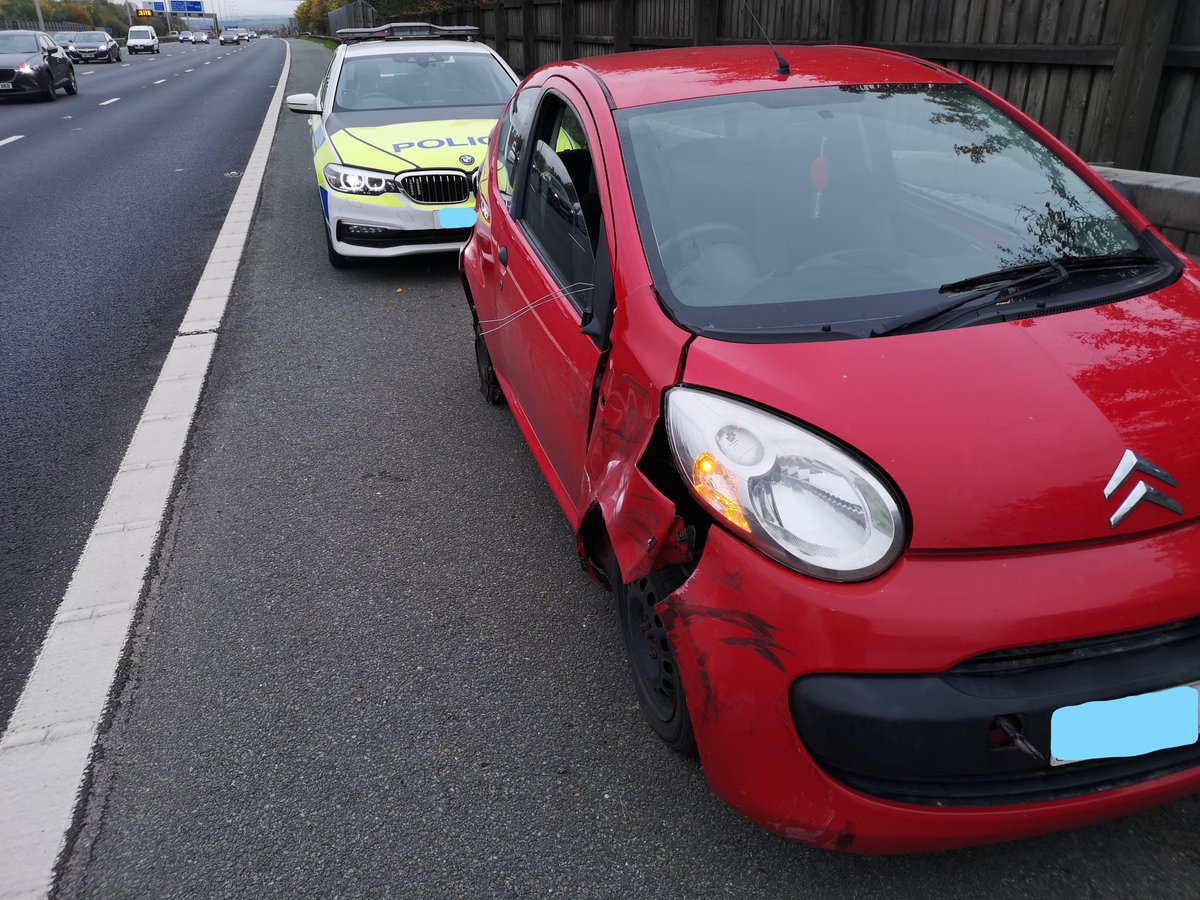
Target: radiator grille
436 187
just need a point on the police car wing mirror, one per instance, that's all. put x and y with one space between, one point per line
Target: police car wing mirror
303 103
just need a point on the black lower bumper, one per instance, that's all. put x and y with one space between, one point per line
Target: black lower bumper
376 236
979 734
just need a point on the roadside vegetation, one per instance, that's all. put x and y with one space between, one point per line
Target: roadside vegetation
313 15
95 14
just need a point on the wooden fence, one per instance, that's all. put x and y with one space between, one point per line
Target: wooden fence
1117 80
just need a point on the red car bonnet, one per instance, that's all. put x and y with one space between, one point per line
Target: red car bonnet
1002 435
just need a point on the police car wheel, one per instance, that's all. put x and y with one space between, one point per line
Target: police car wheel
489 387
336 259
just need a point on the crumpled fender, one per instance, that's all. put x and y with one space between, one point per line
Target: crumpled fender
643 527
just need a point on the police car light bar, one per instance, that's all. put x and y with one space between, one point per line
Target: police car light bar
402 31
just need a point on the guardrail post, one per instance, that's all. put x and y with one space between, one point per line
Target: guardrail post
501 19
622 25
846 22
706 17
1145 35
529 36
568 26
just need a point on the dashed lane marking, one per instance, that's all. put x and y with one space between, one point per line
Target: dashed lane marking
107 102
48 744
9 140
189 70
161 81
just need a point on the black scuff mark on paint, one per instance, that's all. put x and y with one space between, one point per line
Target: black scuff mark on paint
845 840
759 637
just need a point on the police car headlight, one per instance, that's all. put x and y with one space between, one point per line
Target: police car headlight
797 496
357 181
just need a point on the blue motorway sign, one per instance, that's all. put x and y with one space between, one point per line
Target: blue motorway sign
187 6
158 7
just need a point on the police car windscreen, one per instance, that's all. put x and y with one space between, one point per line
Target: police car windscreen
90 37
778 207
422 80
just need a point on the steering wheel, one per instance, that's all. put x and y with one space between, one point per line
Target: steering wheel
713 232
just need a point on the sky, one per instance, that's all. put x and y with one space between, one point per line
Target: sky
231 9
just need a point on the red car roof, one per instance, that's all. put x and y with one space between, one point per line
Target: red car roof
658 76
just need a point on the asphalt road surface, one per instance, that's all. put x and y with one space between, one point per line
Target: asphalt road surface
111 201
370 665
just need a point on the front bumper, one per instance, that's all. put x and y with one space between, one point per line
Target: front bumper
857 717
87 56
403 229
19 84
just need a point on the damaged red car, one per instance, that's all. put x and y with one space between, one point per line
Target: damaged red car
878 409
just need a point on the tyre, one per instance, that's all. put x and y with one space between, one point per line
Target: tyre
337 260
51 93
72 84
651 661
488 385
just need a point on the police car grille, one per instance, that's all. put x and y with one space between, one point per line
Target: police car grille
436 187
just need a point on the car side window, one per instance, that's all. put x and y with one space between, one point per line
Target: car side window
512 136
561 204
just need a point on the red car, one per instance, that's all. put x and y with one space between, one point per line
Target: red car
880 412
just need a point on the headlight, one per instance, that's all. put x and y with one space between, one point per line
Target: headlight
794 494
357 181
25 69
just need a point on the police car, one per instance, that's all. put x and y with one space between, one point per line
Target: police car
400 124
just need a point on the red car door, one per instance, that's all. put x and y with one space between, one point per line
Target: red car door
547 249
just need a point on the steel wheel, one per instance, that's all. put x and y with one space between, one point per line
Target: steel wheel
489 387
651 660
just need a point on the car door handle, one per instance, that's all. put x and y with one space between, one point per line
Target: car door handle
503 256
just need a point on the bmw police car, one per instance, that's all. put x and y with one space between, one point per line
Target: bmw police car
399 125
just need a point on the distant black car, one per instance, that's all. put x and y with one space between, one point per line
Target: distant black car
94 46
31 63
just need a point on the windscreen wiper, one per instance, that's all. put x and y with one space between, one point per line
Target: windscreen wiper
1004 286
989 289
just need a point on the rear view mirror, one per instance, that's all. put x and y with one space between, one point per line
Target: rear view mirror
304 103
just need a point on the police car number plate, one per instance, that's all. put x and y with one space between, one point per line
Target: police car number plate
1129 726
456 218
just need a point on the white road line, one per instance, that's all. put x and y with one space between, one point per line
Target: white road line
89 72
161 81
106 102
189 70
48 744
9 140
124 65
209 63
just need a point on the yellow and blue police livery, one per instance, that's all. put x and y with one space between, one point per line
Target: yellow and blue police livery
400 124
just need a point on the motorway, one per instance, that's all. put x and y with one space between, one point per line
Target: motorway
369 664
111 202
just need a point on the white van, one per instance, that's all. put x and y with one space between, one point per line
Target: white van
142 39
